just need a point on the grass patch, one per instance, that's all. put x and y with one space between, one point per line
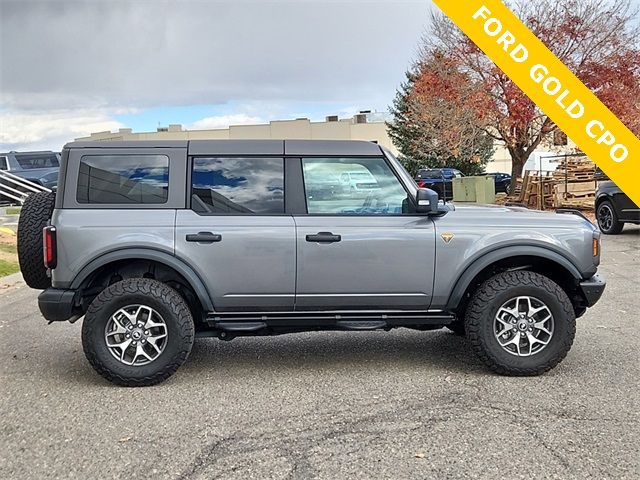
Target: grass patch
8 267
13 210
8 248
8 255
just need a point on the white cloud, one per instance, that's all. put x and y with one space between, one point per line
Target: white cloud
145 54
224 121
35 131
68 67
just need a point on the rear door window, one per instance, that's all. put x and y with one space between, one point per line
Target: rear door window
28 161
238 186
123 179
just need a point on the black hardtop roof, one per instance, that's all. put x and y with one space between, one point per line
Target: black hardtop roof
246 147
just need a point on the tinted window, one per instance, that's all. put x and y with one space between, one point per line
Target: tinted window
123 179
429 174
369 188
238 185
28 161
3 163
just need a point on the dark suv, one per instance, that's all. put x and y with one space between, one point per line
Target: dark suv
502 181
38 167
440 180
614 208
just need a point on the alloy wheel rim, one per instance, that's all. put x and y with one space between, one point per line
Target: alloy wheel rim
523 326
136 335
605 217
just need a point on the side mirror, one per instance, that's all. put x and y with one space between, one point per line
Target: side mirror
426 201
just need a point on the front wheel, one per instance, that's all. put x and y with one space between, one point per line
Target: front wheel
520 323
137 332
608 221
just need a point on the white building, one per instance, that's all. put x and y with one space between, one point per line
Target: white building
365 125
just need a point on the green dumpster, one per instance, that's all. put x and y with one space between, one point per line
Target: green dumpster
480 189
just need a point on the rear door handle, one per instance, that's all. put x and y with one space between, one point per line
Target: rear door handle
324 237
204 237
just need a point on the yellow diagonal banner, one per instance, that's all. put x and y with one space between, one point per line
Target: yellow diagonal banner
551 86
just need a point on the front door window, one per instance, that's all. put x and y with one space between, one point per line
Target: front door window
352 186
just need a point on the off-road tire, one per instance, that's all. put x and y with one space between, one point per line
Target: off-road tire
34 216
167 302
616 225
491 295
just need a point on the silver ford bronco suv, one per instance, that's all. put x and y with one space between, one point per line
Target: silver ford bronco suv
157 243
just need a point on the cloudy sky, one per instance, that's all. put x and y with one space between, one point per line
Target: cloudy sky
69 68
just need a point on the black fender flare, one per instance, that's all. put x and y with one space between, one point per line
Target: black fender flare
159 256
601 197
482 261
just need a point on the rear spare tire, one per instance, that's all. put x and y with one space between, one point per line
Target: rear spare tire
34 216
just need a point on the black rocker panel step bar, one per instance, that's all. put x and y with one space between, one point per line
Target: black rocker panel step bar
347 320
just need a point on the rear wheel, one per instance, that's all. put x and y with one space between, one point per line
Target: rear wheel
608 219
137 332
520 323
34 216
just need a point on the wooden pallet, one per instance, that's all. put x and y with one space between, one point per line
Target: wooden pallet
575 169
543 191
584 203
535 190
575 194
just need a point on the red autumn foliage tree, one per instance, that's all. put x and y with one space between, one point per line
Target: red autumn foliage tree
596 39
448 103
438 118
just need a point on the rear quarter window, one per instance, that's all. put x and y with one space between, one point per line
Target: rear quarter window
123 179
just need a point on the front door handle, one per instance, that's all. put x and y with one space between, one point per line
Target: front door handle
204 237
324 237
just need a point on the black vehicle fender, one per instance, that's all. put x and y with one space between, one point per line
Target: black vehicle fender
483 260
603 196
159 256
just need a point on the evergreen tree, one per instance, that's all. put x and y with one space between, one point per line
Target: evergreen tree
403 131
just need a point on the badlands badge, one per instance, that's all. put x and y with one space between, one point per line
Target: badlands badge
447 237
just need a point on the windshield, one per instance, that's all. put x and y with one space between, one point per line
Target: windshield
430 174
406 179
28 161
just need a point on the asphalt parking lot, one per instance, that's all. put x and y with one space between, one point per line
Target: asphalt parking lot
403 404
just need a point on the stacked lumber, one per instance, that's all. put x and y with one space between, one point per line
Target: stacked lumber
576 183
572 185
575 194
535 190
575 169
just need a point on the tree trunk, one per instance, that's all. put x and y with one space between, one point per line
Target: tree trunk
519 157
